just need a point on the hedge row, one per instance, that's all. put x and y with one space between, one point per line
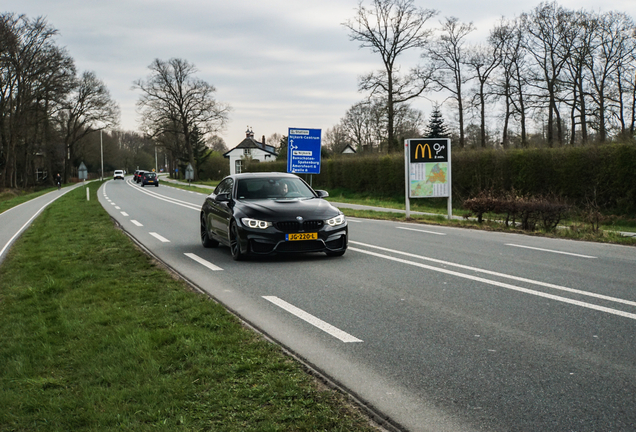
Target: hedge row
603 175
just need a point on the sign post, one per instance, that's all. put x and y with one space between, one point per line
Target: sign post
82 173
303 151
428 170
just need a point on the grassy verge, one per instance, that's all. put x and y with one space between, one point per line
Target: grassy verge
95 336
576 229
572 232
193 187
13 197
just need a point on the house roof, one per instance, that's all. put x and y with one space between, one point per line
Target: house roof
250 142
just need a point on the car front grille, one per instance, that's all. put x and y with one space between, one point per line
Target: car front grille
295 226
301 246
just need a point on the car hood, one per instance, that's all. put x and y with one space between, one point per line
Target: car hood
285 209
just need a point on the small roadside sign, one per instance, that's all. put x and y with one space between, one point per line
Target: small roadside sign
303 151
189 172
82 172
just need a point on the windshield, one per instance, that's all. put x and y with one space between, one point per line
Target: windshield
273 188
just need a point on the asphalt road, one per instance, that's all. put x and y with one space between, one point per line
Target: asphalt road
438 329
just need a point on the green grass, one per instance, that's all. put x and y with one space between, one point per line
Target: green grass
95 336
13 197
193 187
429 205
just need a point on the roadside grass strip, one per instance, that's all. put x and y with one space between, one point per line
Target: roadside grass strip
95 336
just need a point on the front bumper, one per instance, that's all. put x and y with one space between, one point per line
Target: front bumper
272 240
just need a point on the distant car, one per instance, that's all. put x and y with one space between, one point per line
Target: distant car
119 174
139 175
149 178
267 213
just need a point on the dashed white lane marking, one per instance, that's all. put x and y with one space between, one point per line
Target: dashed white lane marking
160 238
203 262
136 223
117 208
112 203
317 322
551 251
420 230
124 213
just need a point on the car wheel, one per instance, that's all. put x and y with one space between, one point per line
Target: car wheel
335 254
206 241
157 185
235 246
142 185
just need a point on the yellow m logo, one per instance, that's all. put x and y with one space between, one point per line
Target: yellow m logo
422 149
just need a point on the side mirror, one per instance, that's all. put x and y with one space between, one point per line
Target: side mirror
223 197
322 193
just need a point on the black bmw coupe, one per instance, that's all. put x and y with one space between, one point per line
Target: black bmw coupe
266 213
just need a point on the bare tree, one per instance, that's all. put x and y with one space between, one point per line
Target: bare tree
549 29
336 139
510 82
89 108
608 55
174 101
35 76
484 59
390 28
217 144
447 58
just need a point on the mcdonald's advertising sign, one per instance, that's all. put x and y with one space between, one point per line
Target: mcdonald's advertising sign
428 167
429 150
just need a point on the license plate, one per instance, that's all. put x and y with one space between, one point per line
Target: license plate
301 236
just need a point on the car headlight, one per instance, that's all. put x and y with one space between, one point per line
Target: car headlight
334 221
255 223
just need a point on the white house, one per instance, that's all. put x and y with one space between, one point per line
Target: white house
249 148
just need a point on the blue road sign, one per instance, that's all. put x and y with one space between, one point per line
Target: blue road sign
303 151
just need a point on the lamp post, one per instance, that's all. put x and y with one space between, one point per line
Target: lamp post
101 145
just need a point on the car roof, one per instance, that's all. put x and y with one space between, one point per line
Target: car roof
262 175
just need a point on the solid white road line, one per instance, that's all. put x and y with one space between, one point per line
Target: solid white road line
328 328
550 250
203 262
503 275
419 230
136 223
158 237
503 285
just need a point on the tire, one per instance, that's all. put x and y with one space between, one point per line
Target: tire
206 241
142 185
235 245
157 185
335 254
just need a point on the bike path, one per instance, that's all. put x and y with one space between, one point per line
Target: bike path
16 220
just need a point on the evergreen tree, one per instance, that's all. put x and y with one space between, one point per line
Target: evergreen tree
436 127
200 151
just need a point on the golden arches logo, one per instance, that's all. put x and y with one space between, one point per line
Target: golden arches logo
423 149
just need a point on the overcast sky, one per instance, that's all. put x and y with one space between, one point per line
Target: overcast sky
279 64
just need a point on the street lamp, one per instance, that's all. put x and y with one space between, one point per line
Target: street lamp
101 145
